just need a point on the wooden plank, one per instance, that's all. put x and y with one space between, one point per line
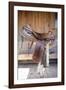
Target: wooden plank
24 57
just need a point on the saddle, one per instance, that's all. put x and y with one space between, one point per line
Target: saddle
28 33
36 35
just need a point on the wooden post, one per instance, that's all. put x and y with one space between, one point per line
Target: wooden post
47 54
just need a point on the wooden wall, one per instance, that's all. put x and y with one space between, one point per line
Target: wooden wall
40 22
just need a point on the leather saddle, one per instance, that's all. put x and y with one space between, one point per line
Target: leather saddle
27 31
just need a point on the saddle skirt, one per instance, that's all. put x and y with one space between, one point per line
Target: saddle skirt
38 51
